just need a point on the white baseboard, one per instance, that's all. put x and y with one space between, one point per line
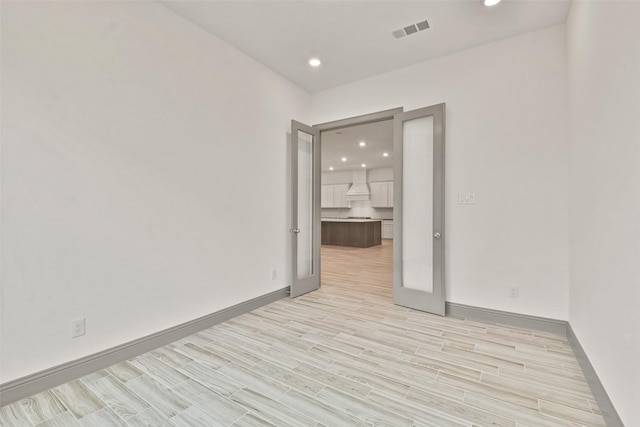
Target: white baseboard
609 412
506 318
560 327
20 388
32 384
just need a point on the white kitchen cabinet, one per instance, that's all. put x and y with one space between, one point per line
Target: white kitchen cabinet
378 193
340 196
387 229
326 196
382 194
334 196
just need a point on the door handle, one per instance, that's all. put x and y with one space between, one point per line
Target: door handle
295 230
436 235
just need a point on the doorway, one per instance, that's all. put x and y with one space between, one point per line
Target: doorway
358 158
418 204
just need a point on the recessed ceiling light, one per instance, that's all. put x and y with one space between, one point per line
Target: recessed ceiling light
490 3
315 62
344 159
363 165
362 143
385 154
330 168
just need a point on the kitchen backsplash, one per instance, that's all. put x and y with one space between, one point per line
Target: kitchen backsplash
359 208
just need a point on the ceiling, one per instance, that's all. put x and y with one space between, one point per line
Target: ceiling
354 41
378 138
353 38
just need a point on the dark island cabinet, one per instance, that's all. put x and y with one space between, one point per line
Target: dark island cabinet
360 234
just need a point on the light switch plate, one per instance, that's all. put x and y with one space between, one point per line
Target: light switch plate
467 199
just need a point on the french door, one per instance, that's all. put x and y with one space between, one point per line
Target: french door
305 208
418 209
418 214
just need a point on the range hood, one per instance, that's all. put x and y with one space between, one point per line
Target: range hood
359 189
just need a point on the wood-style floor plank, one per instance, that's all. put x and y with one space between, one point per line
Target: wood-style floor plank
340 356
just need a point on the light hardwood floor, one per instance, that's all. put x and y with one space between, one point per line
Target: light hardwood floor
340 356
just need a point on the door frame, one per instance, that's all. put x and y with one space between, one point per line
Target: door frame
439 133
357 120
300 286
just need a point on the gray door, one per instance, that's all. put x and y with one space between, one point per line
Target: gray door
418 251
305 205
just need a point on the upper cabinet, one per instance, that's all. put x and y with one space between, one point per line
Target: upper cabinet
340 196
326 196
382 194
334 196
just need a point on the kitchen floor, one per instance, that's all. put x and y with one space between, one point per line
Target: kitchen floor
341 356
368 270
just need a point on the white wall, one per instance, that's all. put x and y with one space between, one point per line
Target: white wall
604 70
507 142
338 177
346 177
381 174
135 150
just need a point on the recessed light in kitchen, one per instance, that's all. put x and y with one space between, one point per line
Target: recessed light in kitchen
314 62
344 159
385 154
362 143
330 168
490 3
363 165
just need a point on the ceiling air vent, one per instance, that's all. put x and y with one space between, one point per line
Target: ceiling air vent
410 29
398 33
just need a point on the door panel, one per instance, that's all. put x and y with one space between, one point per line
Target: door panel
305 203
417 202
419 209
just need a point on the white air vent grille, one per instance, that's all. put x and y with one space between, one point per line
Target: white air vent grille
398 33
422 25
410 29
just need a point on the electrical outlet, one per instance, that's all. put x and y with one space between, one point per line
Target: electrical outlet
77 328
514 292
274 274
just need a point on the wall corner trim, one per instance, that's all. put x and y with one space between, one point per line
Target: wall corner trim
609 413
506 318
29 385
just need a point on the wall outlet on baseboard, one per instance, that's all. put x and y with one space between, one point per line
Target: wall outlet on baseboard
514 292
77 328
274 274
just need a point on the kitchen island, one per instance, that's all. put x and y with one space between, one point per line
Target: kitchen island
355 232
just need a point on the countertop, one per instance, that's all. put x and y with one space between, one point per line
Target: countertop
350 220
